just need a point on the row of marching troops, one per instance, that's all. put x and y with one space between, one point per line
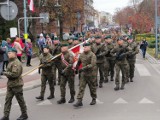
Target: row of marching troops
102 54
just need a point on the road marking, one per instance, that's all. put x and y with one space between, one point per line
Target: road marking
0 105
99 102
146 101
142 70
46 102
34 72
120 101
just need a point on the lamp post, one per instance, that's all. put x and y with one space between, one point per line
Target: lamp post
58 12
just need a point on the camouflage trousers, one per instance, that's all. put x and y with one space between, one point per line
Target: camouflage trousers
56 67
127 71
120 67
109 68
131 69
90 80
44 79
100 68
18 93
70 80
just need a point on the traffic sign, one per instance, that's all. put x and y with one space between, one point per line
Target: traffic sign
45 17
10 11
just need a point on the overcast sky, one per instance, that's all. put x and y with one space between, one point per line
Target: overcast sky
109 5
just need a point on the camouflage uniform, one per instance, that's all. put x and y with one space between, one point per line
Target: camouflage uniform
14 86
98 50
88 61
121 51
55 51
109 62
68 75
132 59
46 73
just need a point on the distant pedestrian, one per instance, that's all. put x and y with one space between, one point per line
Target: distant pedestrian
5 56
143 47
1 60
41 42
28 51
19 49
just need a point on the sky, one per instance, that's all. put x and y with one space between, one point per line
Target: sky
109 5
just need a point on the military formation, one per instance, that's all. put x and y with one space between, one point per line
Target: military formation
105 55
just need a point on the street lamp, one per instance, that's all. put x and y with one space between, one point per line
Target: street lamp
58 12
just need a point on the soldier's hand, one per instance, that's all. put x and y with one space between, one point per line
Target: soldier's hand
62 72
39 71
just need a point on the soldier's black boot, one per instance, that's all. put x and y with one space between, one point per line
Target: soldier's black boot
61 101
50 97
100 85
106 81
93 102
122 86
116 88
4 118
112 79
71 100
40 98
78 104
131 79
23 117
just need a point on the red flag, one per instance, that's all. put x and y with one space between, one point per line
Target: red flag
76 53
31 5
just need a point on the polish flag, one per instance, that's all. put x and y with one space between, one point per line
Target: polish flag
76 51
31 5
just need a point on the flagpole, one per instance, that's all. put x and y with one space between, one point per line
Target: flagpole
53 58
25 20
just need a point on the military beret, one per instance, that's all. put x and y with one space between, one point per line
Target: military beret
12 50
130 37
108 37
45 46
75 38
86 44
97 37
64 45
56 38
120 38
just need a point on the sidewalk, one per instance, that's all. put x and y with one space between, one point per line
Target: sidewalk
31 80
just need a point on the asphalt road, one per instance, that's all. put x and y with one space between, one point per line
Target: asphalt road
139 101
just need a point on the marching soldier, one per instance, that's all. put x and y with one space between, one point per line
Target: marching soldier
88 61
132 57
98 49
70 42
67 74
55 51
75 41
14 86
46 75
120 51
109 59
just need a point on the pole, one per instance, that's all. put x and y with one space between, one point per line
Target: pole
25 20
156 29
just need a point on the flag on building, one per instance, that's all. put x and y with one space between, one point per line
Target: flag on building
31 5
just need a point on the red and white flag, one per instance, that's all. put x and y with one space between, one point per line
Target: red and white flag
31 5
76 53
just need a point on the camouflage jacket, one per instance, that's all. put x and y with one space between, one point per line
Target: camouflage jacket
68 57
121 52
134 50
47 67
55 50
108 48
98 50
88 61
14 72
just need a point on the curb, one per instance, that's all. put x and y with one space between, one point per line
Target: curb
27 86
